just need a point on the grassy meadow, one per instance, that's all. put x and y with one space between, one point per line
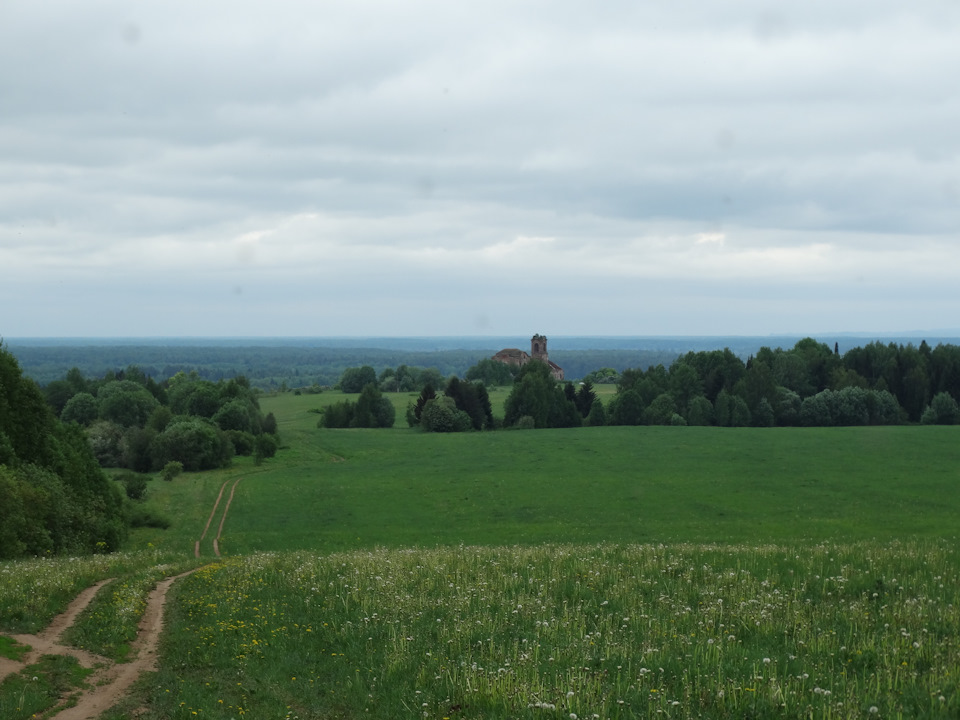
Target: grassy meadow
332 490
588 573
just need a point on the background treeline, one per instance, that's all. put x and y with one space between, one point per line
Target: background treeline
273 368
132 421
810 384
54 498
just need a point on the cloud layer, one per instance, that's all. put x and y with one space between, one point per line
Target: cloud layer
375 167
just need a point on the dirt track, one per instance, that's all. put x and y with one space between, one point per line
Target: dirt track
226 509
110 681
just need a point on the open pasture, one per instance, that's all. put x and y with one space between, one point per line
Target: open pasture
351 489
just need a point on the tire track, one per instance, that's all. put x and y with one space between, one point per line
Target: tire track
110 681
196 547
223 519
226 509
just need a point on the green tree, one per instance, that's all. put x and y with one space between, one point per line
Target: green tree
441 414
82 408
416 412
492 373
53 495
585 398
373 410
685 383
267 447
597 417
126 403
338 415
195 442
355 379
171 470
764 415
234 415
817 410
626 408
536 393
943 410
471 398
699 411
660 411
57 393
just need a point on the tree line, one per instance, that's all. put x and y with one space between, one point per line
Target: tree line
54 498
132 421
810 384
282 367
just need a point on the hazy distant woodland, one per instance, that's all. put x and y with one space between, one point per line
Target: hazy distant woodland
271 362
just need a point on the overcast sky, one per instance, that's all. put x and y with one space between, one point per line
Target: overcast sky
374 167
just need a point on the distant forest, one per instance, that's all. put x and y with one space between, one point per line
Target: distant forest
270 368
273 363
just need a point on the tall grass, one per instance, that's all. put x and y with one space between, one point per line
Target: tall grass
33 591
605 631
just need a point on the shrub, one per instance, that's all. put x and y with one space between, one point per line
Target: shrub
267 446
135 485
142 517
441 415
244 443
942 410
171 470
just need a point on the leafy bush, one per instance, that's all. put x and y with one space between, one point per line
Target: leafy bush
943 410
244 443
441 415
139 516
134 484
267 446
171 470
526 422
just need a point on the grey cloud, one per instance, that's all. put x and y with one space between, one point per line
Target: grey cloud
404 127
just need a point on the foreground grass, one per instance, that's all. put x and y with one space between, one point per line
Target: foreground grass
32 592
40 687
827 630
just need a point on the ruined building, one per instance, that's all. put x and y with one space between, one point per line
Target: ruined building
538 351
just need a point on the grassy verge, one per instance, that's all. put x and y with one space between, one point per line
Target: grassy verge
592 631
39 687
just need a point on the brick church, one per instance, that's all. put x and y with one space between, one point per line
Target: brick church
538 351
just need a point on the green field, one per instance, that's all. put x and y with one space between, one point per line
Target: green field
607 572
349 489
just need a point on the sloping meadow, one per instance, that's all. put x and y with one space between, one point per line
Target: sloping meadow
859 630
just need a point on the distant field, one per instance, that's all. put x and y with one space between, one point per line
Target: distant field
350 489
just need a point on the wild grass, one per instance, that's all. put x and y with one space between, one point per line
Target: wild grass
826 630
32 592
10 648
39 687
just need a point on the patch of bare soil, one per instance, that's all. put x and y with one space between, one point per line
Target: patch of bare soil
110 681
